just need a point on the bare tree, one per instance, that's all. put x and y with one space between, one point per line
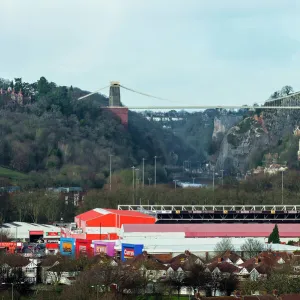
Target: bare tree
224 245
199 278
176 281
252 247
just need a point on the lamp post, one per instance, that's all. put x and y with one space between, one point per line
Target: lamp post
97 290
133 167
282 187
110 155
143 172
12 288
282 171
155 170
213 168
137 181
175 183
193 180
213 182
222 171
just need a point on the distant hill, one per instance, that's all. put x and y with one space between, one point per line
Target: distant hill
57 140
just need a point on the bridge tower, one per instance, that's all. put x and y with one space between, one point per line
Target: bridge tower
115 103
114 94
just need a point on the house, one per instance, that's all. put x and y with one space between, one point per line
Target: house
30 272
25 269
261 265
61 273
184 261
223 267
103 258
70 195
230 257
149 265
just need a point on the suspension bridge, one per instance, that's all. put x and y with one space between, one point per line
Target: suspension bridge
291 101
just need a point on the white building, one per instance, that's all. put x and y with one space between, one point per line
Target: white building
31 231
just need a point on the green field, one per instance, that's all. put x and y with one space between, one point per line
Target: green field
11 174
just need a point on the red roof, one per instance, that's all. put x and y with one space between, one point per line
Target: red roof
99 212
218 230
89 215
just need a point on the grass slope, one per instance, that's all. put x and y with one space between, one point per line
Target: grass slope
11 174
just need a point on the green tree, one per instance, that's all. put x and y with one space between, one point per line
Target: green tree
274 236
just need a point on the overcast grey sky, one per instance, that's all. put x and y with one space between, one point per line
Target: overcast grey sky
189 51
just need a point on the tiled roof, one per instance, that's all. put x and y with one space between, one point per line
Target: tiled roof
234 257
224 267
265 261
185 261
146 260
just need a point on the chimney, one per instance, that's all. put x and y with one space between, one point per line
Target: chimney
187 253
219 259
256 260
206 255
237 294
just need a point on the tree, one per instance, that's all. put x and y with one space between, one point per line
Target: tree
275 95
274 236
224 245
4 235
199 278
20 204
252 247
229 284
43 86
286 90
284 282
176 281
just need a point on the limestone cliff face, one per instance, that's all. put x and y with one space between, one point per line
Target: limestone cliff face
245 143
223 123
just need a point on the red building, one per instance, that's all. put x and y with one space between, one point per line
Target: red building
83 247
121 112
104 224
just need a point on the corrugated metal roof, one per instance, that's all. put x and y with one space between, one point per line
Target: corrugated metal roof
217 230
131 213
89 215
99 212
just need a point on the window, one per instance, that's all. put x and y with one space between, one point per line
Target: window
29 270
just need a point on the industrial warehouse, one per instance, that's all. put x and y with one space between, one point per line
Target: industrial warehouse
139 228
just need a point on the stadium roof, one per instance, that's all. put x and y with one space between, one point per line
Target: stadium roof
217 230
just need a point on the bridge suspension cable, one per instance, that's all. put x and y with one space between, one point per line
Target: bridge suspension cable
283 102
90 94
147 95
